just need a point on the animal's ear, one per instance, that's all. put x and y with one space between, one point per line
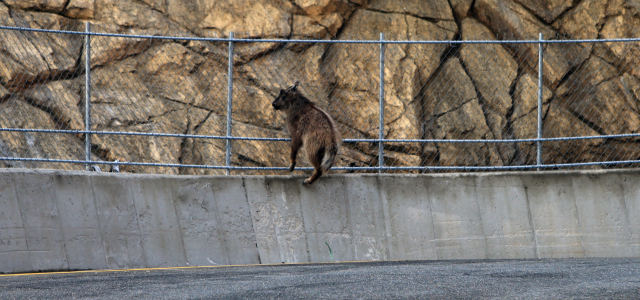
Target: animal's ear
295 86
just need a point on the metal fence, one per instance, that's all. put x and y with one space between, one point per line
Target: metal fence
74 99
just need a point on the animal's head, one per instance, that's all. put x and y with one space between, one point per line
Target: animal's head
286 97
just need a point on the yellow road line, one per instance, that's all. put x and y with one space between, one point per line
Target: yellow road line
188 267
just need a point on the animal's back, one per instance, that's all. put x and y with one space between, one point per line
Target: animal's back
321 137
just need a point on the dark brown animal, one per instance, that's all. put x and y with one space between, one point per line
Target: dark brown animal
310 127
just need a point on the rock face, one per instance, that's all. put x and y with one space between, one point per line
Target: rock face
548 10
456 114
512 21
438 9
55 6
493 71
432 91
32 56
355 74
35 145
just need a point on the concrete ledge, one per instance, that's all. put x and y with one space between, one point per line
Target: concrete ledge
59 220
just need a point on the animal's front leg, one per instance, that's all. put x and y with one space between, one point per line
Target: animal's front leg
296 143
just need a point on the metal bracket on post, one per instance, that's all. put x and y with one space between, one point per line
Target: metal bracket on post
381 105
229 103
540 90
87 94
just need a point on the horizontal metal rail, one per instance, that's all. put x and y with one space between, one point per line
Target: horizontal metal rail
377 42
215 137
451 168
195 136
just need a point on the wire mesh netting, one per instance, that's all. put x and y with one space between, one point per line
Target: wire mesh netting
160 104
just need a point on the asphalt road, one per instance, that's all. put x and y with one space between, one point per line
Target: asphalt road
492 279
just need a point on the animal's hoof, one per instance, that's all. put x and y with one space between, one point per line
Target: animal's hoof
305 182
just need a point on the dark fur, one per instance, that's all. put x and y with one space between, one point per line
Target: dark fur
310 127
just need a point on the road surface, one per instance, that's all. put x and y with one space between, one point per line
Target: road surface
466 279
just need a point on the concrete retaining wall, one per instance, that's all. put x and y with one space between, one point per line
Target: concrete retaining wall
55 220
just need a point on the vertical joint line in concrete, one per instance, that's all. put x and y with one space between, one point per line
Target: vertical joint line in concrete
22 219
387 218
253 226
95 207
577 216
87 94
302 219
477 201
539 143
349 225
624 201
174 196
531 222
229 103
433 224
62 231
381 104
137 215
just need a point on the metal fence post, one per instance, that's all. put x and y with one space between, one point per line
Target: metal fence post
229 102
87 94
540 90
381 104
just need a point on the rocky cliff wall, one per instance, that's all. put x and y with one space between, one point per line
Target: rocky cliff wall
439 91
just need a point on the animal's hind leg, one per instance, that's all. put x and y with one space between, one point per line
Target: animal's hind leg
316 161
317 172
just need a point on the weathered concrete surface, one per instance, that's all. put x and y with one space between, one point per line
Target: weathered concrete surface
67 220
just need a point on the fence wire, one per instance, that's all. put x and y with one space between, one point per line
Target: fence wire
163 104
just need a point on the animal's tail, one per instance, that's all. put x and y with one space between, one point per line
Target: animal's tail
329 156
